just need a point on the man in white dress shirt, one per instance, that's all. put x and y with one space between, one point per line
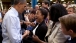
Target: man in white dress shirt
11 27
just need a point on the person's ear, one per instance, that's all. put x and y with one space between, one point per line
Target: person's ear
71 31
18 4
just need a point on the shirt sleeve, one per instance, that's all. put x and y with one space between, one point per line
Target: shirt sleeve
0 16
13 29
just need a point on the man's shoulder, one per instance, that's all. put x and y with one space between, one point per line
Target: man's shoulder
10 13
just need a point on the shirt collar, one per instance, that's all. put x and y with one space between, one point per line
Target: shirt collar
15 11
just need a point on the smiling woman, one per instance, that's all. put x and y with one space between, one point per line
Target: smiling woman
41 29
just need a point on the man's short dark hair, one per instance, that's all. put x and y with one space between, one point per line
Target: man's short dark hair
46 2
17 1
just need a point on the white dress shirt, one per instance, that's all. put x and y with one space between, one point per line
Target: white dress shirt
11 27
0 15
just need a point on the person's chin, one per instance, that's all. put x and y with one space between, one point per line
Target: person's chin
37 20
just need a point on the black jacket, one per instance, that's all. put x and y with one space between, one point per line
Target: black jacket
71 41
41 30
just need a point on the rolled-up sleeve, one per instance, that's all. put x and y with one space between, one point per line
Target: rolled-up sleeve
13 29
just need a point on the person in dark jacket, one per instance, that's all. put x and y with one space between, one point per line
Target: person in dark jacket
40 29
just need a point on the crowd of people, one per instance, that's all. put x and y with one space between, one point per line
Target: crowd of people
49 23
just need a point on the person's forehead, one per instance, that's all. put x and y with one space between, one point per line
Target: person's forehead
37 11
62 25
25 3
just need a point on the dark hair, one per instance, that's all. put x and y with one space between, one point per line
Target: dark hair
46 9
46 2
17 1
57 10
43 12
33 12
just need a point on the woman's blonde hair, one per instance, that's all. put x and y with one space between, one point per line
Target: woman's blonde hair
74 8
